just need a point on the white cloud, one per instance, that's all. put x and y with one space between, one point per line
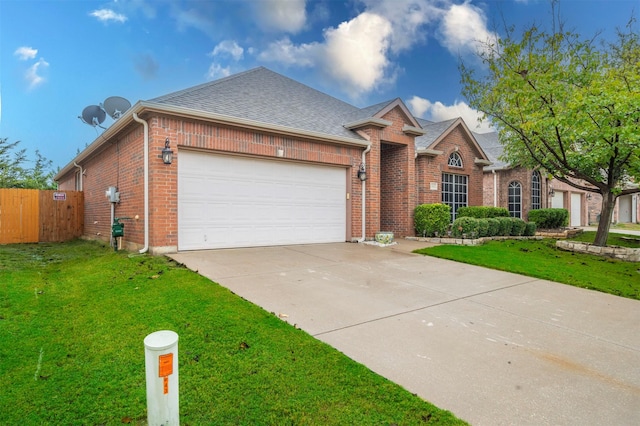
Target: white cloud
359 53
33 74
196 19
285 52
228 47
107 15
437 111
356 52
408 18
23 53
281 15
217 71
464 29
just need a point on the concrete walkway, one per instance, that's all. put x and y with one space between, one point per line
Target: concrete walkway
613 230
492 347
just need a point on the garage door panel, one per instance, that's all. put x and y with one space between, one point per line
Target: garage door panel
227 201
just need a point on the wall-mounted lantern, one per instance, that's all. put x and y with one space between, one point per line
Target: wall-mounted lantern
362 173
167 154
551 191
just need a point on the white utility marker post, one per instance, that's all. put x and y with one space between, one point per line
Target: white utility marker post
161 362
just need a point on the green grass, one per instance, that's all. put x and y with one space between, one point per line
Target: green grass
73 318
627 226
541 259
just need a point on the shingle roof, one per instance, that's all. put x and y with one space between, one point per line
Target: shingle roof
433 131
367 112
491 146
265 96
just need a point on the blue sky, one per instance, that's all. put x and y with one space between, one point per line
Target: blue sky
59 56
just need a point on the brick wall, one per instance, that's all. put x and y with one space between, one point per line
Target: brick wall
397 173
429 169
120 164
517 174
392 170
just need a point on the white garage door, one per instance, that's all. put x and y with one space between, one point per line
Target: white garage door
576 209
227 201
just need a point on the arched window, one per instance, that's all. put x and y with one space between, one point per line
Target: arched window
515 199
536 180
455 160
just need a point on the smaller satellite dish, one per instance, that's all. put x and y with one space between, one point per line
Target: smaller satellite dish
93 115
116 106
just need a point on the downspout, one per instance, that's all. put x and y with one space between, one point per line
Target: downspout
364 198
81 173
495 188
146 182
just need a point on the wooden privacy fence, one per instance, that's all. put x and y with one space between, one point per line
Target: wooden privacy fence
31 215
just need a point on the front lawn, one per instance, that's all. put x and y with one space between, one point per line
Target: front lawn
541 259
73 318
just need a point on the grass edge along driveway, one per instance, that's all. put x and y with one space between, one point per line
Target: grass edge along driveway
73 317
541 259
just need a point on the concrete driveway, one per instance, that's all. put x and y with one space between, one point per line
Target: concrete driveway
492 347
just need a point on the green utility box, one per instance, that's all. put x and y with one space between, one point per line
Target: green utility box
117 229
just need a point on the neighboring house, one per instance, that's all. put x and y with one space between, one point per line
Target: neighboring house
517 189
260 159
521 190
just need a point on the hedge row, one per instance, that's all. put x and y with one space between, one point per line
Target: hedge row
470 227
549 218
431 220
480 212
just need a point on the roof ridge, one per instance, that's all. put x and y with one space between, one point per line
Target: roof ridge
177 93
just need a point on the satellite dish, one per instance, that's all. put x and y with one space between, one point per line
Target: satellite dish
116 106
93 115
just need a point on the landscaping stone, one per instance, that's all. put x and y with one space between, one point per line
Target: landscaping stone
622 253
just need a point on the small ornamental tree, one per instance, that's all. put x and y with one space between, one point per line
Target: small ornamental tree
567 105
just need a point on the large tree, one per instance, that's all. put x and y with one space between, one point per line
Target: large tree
566 104
15 174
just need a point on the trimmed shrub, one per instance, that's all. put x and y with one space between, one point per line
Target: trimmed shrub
483 228
549 218
480 212
517 226
504 229
494 227
530 229
465 227
431 220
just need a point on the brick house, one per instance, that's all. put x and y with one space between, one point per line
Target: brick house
260 159
521 190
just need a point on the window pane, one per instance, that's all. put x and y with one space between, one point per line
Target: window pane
454 192
535 190
455 160
515 199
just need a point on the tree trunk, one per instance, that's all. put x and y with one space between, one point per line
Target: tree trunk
608 202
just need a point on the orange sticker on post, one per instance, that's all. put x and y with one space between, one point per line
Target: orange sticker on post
165 385
165 365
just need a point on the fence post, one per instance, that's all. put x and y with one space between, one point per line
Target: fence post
161 363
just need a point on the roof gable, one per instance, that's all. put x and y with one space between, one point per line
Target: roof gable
437 132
